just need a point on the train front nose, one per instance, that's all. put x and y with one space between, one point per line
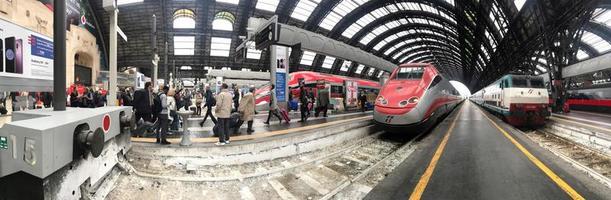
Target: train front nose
397 116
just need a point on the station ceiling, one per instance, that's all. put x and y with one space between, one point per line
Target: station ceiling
472 41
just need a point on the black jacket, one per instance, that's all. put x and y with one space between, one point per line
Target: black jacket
209 98
142 102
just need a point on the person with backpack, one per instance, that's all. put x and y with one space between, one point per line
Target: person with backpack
143 103
210 101
303 99
247 110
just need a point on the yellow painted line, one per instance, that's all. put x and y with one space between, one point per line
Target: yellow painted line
256 136
566 119
426 177
561 183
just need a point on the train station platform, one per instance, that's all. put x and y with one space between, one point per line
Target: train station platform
205 135
474 155
598 122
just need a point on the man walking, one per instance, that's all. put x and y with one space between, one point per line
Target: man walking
210 101
363 100
223 112
303 99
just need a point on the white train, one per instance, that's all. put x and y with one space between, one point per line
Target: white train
519 99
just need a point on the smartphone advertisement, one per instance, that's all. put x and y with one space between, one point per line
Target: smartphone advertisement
25 53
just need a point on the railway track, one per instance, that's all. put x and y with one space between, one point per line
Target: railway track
340 171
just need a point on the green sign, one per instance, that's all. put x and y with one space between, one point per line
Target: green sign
3 142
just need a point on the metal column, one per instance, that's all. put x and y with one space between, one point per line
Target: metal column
111 98
59 55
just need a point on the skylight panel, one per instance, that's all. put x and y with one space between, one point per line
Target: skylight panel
339 11
303 9
596 42
367 39
451 2
235 2
127 2
581 54
350 31
389 50
380 73
220 46
519 4
186 68
328 62
267 5
184 45
359 69
380 45
604 16
345 66
370 72
541 68
307 58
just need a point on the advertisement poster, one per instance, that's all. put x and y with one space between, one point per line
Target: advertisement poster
76 14
282 62
352 92
25 54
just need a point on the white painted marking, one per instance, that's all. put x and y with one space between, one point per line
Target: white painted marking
281 190
246 194
314 184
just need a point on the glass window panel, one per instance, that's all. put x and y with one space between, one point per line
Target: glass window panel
380 73
229 1
222 24
346 66
184 22
380 45
268 5
603 16
339 11
184 45
328 62
359 69
186 68
307 58
220 46
370 72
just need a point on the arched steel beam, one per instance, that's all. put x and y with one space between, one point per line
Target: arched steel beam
396 41
424 42
454 63
409 54
397 16
406 27
588 49
371 6
599 29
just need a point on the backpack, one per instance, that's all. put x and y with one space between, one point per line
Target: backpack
157 104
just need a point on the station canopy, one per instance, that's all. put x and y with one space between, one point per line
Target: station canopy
472 41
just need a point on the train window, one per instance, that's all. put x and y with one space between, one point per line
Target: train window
436 81
519 81
409 73
537 83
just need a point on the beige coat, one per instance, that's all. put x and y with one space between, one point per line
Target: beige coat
247 107
223 104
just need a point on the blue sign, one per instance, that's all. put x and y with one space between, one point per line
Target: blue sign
280 87
41 47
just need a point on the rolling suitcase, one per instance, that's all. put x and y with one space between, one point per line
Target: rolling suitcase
285 115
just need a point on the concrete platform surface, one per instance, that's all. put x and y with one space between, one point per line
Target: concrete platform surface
479 157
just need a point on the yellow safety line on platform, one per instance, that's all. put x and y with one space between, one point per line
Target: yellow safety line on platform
582 124
424 179
561 183
256 136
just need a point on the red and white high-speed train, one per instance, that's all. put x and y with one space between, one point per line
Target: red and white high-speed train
415 96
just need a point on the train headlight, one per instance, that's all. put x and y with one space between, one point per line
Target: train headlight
382 100
413 100
403 103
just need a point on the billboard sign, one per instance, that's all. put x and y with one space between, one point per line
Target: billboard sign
351 98
26 54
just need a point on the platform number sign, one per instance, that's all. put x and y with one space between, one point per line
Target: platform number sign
3 143
268 36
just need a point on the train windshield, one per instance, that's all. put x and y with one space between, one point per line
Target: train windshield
409 73
519 81
537 83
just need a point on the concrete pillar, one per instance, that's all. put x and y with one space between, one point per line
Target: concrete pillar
111 97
